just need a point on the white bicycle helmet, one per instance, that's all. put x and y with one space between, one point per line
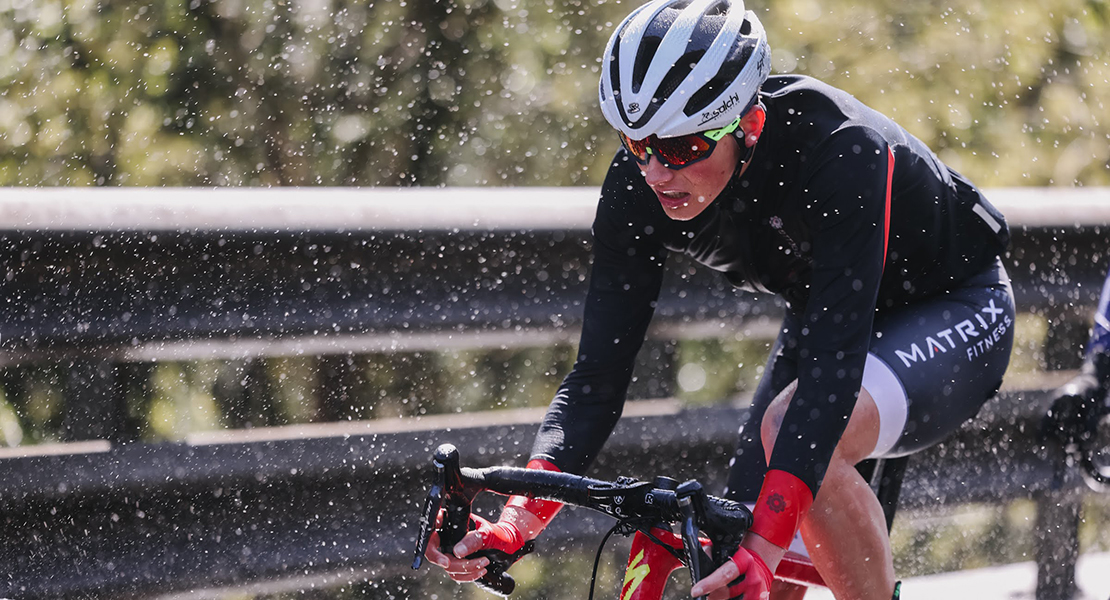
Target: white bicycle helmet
676 67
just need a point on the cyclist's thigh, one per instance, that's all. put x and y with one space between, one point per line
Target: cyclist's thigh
749 463
933 364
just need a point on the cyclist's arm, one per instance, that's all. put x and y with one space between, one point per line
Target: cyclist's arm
1092 384
625 280
1082 404
847 200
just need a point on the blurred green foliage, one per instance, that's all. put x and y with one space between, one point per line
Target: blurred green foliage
500 92
167 401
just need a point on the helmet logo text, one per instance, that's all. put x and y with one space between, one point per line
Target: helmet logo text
727 104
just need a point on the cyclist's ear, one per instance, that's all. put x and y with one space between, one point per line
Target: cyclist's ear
752 124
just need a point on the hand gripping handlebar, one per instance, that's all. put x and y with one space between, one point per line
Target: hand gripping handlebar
640 504
449 492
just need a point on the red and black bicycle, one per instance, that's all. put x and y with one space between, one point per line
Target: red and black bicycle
709 528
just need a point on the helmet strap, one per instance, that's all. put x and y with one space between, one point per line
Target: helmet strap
740 134
747 157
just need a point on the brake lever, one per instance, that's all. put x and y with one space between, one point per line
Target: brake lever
697 560
432 504
447 488
446 485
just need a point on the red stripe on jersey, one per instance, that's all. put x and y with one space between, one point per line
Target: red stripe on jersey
886 217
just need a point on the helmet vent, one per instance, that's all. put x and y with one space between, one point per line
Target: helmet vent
678 73
644 55
614 69
731 67
720 9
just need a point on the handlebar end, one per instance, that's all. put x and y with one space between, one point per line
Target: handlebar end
501 584
446 454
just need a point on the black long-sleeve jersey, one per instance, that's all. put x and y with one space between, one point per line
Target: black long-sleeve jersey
840 211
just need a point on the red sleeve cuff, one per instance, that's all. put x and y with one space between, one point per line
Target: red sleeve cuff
783 502
543 509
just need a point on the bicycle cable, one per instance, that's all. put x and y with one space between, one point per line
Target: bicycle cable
628 527
597 557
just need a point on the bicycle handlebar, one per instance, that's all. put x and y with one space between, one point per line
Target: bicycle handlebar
645 504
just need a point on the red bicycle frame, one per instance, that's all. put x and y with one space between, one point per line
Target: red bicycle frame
650 566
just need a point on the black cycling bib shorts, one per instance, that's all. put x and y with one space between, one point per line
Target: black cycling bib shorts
930 367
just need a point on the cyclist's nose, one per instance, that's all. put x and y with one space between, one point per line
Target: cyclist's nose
655 173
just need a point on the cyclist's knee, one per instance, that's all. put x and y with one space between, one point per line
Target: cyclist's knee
856 443
772 419
862 434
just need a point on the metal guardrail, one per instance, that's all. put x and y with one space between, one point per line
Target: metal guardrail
290 506
137 274
96 277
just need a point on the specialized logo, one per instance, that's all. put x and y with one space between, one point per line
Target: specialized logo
634 108
634 576
979 336
727 104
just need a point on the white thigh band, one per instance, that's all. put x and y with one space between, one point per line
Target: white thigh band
890 398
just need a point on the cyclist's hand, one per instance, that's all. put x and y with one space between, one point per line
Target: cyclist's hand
1075 403
495 536
461 570
746 576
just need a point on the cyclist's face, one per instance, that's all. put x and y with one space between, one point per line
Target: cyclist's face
685 193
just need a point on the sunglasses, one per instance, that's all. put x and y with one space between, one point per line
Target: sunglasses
677 152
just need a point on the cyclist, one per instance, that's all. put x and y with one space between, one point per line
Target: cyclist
899 314
1084 400
1094 378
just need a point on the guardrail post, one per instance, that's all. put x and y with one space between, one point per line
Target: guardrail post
337 379
1057 544
243 394
1057 531
1065 339
94 407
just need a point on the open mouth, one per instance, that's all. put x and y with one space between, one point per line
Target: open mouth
672 199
